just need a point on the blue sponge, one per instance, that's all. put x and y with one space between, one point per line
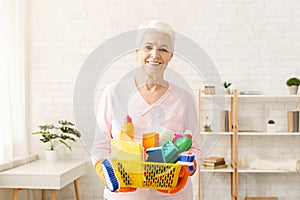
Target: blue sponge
155 154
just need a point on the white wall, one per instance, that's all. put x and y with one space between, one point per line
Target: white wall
254 43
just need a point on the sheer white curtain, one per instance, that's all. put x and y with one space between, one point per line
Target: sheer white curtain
13 136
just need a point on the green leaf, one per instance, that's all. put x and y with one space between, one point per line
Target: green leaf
293 81
68 146
52 134
45 127
65 123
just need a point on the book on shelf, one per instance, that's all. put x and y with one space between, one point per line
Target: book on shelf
293 121
226 121
216 167
211 164
296 121
213 159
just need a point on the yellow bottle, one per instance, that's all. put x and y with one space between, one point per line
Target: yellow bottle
127 132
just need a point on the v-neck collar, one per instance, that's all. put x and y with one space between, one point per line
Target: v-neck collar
145 105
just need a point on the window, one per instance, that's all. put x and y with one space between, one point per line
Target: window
13 138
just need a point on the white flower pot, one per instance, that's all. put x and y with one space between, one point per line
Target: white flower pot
293 89
271 128
227 91
51 155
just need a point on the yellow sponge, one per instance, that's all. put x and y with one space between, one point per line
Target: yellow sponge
125 150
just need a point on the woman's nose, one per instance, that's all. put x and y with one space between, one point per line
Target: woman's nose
154 53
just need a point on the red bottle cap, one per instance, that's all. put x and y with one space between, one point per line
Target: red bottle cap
188 133
128 119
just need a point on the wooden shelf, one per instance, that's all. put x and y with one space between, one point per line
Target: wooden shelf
228 169
285 96
270 96
269 134
248 170
216 133
216 96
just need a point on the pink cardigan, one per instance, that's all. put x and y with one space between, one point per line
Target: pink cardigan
175 110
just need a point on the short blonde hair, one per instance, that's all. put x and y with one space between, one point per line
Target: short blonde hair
156 26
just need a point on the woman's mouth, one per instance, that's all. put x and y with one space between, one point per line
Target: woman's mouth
154 63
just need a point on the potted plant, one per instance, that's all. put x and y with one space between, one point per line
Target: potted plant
207 128
226 87
207 125
293 84
54 135
271 126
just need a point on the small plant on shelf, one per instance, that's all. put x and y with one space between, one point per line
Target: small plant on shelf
207 128
62 133
207 125
271 126
293 81
271 121
293 84
226 87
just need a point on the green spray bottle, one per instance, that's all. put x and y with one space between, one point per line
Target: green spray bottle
184 143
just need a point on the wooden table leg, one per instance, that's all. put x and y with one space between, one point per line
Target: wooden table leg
43 194
76 190
53 194
15 193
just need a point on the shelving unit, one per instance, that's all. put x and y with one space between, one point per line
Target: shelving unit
237 135
280 104
232 167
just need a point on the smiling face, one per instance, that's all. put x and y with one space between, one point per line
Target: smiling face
154 52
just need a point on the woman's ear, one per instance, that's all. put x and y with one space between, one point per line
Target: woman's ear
137 51
171 57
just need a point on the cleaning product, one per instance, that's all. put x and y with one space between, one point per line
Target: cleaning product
164 135
184 143
150 140
111 180
187 158
155 154
176 136
170 152
127 131
124 150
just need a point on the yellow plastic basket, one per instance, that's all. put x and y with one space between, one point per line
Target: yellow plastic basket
162 176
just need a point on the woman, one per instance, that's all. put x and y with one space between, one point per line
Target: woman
153 103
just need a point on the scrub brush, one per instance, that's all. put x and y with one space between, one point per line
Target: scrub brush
187 158
111 180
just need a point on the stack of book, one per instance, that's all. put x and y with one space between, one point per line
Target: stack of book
214 162
293 121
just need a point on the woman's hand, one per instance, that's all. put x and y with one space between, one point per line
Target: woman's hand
126 189
183 177
98 170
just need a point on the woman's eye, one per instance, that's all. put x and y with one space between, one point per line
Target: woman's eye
164 50
148 47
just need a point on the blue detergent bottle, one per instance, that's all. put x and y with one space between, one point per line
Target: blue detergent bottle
184 143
